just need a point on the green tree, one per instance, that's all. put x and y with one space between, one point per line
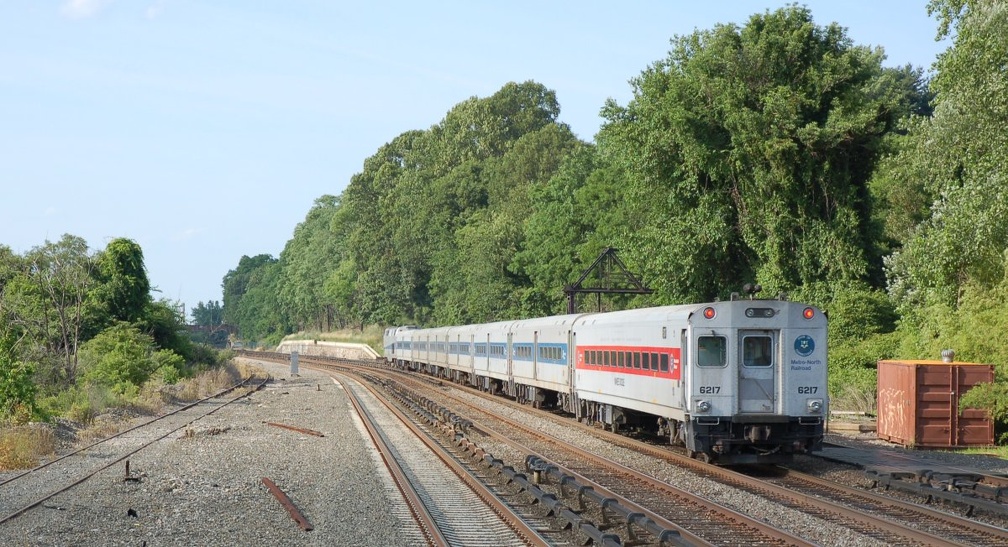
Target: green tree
124 290
61 275
250 299
309 257
17 387
210 314
579 212
748 153
957 157
406 211
949 277
162 321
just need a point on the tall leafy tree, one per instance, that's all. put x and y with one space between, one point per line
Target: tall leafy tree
209 314
124 289
406 210
312 253
958 158
61 275
748 152
250 299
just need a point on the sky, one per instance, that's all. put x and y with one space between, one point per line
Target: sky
205 131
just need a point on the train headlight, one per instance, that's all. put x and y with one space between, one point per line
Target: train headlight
815 405
703 406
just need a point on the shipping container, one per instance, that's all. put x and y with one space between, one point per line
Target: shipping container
918 404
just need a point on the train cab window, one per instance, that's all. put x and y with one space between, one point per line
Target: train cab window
664 362
757 351
712 351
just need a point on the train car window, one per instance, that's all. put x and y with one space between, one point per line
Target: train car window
612 358
712 351
605 358
757 351
654 361
646 361
636 359
621 360
664 362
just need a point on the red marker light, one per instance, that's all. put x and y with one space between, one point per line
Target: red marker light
709 313
808 313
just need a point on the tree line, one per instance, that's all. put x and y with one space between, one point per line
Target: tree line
777 152
79 330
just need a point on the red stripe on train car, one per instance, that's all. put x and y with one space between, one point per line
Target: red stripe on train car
675 367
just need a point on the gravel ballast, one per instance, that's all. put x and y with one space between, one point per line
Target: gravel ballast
206 488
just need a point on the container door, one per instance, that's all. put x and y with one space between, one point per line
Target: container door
757 366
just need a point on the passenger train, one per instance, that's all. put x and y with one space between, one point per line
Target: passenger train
735 381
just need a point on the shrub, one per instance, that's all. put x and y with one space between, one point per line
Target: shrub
17 393
120 357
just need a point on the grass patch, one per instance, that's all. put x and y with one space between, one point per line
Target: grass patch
996 451
23 447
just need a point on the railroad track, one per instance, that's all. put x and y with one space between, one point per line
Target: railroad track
880 517
446 514
883 518
32 488
699 520
948 527
707 523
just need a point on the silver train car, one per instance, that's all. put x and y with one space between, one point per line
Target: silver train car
738 381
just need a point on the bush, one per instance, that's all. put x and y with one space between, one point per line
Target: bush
17 393
120 357
994 397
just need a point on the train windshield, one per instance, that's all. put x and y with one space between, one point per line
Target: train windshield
757 351
712 351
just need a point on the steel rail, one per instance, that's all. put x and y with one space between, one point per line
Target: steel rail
125 431
83 479
428 526
514 521
797 500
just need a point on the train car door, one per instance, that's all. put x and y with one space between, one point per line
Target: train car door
757 366
510 354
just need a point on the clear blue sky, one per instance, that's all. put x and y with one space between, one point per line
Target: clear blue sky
204 131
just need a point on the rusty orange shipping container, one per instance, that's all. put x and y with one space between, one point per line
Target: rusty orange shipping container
918 404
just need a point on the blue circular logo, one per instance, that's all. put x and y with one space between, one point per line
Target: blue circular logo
804 345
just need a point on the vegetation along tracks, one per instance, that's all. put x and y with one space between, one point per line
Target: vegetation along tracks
21 491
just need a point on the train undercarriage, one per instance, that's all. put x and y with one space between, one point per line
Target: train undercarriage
725 440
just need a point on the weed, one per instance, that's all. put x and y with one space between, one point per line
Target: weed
22 447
